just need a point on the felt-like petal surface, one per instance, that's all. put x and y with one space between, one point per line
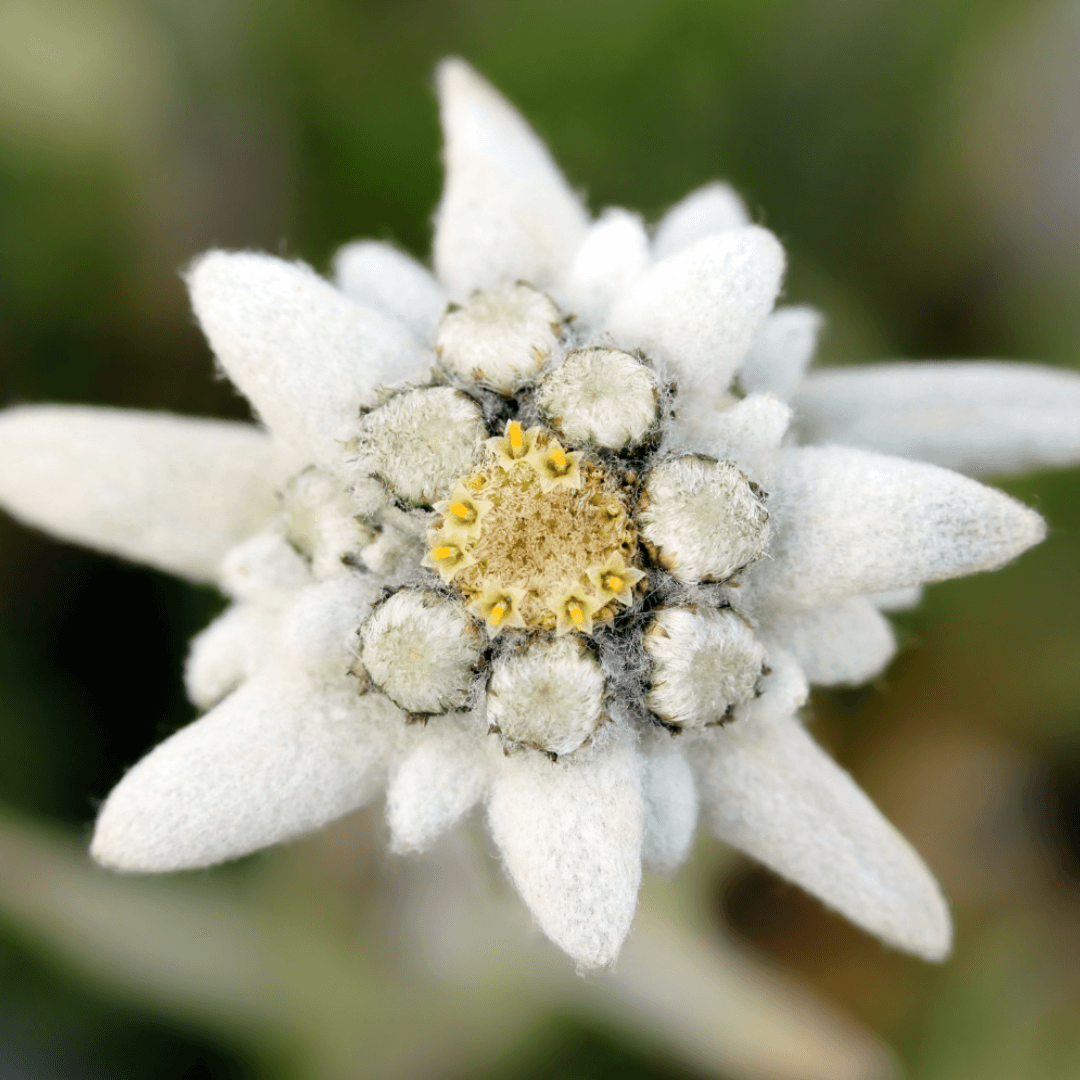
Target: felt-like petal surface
711 209
172 491
844 644
671 807
440 779
749 428
389 281
506 213
275 759
849 522
303 354
769 790
897 599
614 253
781 351
228 652
982 418
570 835
699 309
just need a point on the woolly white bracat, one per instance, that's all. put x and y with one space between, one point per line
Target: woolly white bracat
849 522
897 599
781 352
321 520
698 310
229 651
570 835
393 283
743 431
420 442
503 337
714 208
671 807
506 213
980 418
421 650
266 566
549 696
702 518
705 661
600 396
614 253
171 491
303 354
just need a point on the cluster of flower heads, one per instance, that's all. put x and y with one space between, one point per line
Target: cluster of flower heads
511 536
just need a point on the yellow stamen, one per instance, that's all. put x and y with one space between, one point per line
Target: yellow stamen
517 440
558 457
442 553
460 510
577 615
614 583
476 483
497 613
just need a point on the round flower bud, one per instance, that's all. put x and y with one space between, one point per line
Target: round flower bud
421 651
702 519
705 662
548 696
503 337
420 442
600 396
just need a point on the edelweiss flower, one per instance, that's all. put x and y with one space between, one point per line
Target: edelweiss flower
507 539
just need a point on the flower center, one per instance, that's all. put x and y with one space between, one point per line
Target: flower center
538 536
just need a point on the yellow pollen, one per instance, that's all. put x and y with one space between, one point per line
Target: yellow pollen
476 483
442 553
558 457
459 510
577 615
614 582
497 613
516 438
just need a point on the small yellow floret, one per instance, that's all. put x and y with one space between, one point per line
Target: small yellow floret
614 583
496 614
460 510
517 440
558 457
442 553
577 615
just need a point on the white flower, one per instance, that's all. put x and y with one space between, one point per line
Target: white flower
527 551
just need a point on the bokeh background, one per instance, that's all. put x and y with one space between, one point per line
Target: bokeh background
921 162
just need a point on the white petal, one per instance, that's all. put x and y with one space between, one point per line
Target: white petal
699 310
439 781
781 351
711 209
304 355
614 253
845 644
897 599
506 212
769 790
272 761
847 522
741 433
229 651
980 418
671 807
570 834
389 281
171 491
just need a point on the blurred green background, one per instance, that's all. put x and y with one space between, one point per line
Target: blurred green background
921 162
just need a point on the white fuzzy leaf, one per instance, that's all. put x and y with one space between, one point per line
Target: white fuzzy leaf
847 522
781 351
506 213
570 834
769 790
171 491
440 779
699 309
614 253
275 759
671 807
982 418
897 599
844 644
389 281
229 651
304 355
749 428
711 209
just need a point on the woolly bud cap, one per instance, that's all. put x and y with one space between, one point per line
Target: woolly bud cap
705 662
600 396
420 442
548 696
421 651
702 519
503 337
